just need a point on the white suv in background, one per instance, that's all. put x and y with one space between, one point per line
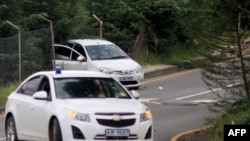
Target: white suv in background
102 56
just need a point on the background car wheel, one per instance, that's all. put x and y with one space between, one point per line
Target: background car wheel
10 129
56 134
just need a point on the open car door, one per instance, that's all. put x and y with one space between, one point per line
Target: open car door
68 58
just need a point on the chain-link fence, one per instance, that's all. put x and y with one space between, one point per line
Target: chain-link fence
35 55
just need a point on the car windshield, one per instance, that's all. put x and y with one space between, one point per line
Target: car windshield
88 88
105 52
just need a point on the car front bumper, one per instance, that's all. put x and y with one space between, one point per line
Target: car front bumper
94 130
130 81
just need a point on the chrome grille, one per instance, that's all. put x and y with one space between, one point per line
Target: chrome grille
124 72
111 114
113 123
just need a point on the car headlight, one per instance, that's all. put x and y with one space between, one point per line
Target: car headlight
78 116
138 69
146 115
106 70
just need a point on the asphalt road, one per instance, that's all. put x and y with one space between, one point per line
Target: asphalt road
2 128
177 101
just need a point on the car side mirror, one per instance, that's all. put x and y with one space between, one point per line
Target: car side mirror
135 94
40 95
81 58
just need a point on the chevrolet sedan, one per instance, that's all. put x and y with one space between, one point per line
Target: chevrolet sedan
66 105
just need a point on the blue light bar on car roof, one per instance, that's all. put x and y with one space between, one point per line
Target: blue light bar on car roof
58 69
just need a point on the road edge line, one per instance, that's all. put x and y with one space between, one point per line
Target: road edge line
176 137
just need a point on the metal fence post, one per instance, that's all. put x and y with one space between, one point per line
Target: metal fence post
52 40
19 49
101 25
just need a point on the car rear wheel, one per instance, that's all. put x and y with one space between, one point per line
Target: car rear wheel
56 134
10 129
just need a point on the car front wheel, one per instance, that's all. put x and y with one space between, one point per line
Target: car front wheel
10 129
56 134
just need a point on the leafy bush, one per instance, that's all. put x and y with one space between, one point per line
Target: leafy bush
239 114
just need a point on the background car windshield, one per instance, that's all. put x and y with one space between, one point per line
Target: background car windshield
103 52
89 88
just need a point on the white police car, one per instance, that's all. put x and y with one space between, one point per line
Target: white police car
75 105
102 56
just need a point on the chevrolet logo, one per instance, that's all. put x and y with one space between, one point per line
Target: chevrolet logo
117 117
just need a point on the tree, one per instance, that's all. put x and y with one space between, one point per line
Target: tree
226 40
68 16
137 26
7 13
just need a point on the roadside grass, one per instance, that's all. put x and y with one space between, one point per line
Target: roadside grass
175 55
149 59
5 91
180 52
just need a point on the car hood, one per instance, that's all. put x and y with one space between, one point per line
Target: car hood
108 105
118 64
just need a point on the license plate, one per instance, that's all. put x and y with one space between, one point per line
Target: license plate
125 78
117 132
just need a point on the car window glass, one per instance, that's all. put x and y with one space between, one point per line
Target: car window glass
62 53
79 49
30 87
45 86
76 53
102 52
89 88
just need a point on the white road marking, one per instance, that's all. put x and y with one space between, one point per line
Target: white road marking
205 92
193 95
149 100
146 99
203 101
